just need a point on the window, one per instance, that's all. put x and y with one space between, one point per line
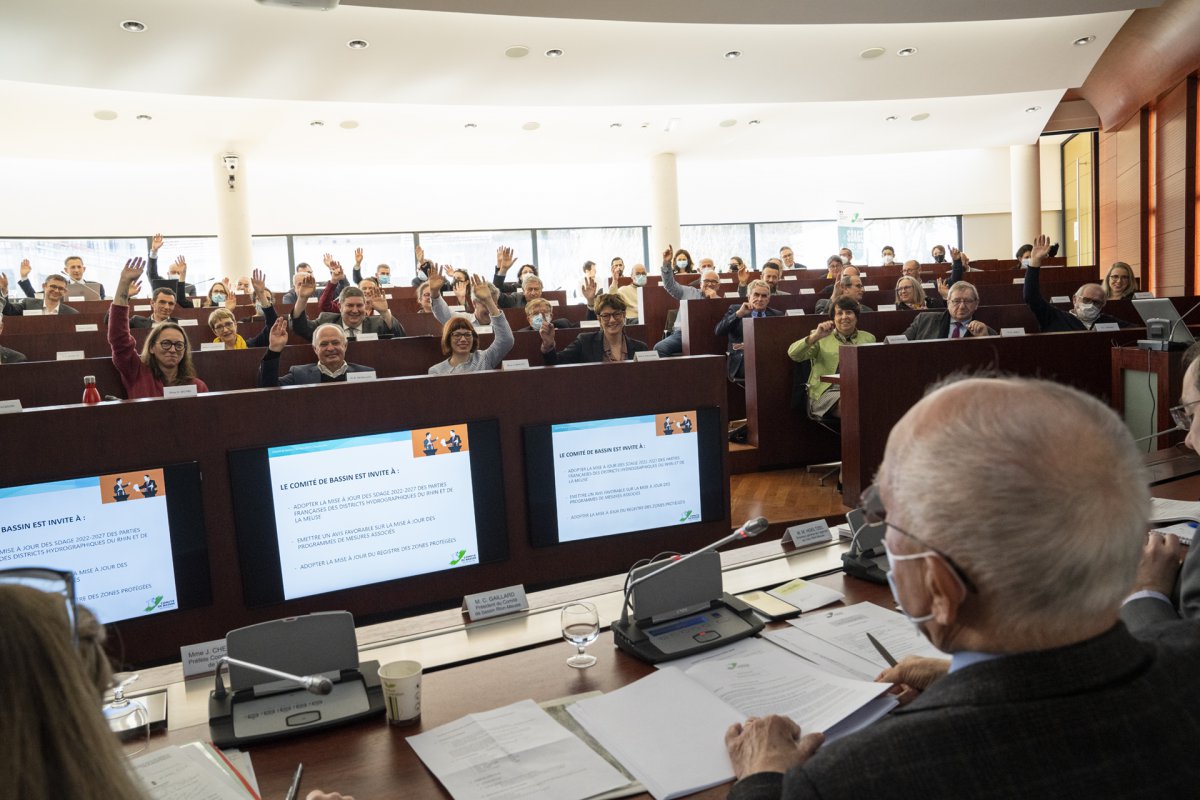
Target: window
393 249
912 237
718 242
811 242
563 251
203 258
103 259
475 251
270 254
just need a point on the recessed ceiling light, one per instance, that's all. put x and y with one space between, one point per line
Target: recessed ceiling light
144 117
531 126
358 44
872 52
555 53
905 52
754 122
615 125
517 51
920 117
727 123
890 118
348 124
107 116
470 125
133 26
645 124
1083 40
1033 109
316 123
732 54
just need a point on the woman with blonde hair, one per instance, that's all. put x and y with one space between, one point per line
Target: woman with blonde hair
1119 283
910 295
224 324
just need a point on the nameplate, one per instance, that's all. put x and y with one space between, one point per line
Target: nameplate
515 363
202 658
207 347
34 312
312 300
188 323
590 323
1143 295
188 390
1012 331
90 328
553 303
808 291
813 532
483 328
10 406
457 308
367 337
388 295
142 307
360 377
732 294
898 338
886 307
646 355
495 603
928 285
870 288
794 312
1106 327
727 280
1018 281
1060 298
69 355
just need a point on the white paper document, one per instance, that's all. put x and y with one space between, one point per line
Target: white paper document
806 595
847 629
1164 510
517 752
181 773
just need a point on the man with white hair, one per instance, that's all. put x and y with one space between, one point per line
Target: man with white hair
710 287
1087 304
956 322
329 343
1019 576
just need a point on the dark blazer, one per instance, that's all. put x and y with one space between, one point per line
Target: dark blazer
17 309
300 375
138 321
303 326
152 273
10 356
933 325
1052 723
1052 319
1145 611
731 326
588 348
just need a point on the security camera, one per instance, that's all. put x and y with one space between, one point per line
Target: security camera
231 164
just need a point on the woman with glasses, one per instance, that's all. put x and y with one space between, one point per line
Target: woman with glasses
460 342
165 360
1119 283
910 295
606 345
54 741
224 324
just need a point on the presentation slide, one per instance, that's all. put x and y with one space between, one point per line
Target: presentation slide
366 509
629 474
112 531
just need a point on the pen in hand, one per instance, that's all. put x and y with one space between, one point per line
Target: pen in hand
291 795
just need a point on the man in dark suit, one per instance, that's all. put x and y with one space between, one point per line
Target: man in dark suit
162 306
353 319
54 290
956 322
1045 690
758 299
1087 304
329 342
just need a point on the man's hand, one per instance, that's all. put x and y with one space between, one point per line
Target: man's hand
483 293
437 280
378 301
155 245
461 290
1041 249
306 286
181 268
358 257
278 338
547 334
977 328
616 276
25 269
769 744
336 273
504 259
327 258
943 288
743 310
821 331
258 280
668 256
913 675
1162 556
743 274
230 297
589 290
3 283
420 253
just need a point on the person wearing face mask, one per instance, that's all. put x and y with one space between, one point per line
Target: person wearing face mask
383 272
1020 581
889 255
1022 256
530 284
628 292
539 311
683 262
823 348
224 325
1087 305
847 256
709 287
939 254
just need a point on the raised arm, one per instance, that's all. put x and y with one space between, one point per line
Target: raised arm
668 276
1032 289
120 340
502 336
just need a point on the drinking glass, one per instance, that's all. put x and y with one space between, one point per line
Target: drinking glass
580 627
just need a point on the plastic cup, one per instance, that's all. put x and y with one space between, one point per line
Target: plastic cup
401 681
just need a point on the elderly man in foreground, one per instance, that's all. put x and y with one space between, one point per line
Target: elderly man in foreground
1019 575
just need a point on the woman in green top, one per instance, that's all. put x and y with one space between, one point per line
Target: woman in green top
821 347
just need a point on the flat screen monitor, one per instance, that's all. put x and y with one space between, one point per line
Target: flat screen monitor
134 539
323 516
619 475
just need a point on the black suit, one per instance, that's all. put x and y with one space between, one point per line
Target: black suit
17 309
305 327
934 325
300 375
731 326
9 356
1052 319
588 348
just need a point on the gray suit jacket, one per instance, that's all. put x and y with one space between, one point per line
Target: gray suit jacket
303 326
300 375
934 325
1146 611
1054 723
10 356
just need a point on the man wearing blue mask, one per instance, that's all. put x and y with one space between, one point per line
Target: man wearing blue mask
1019 577
383 272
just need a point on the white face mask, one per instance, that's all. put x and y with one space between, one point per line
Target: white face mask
889 260
1024 262
537 321
845 259
891 579
218 297
639 279
1087 312
681 264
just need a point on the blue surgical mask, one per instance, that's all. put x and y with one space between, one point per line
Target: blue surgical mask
639 279
385 280
537 321
681 264
258 308
1024 262
218 297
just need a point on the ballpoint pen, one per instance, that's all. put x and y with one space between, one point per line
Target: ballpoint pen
291 795
878 647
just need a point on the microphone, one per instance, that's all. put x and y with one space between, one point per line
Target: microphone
1176 429
317 684
1182 317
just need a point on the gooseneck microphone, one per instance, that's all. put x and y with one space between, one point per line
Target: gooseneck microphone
1182 317
317 684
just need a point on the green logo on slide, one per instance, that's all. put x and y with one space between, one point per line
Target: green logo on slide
154 603
458 557
687 515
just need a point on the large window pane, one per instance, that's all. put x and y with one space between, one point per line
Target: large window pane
475 251
811 242
563 251
270 254
393 249
718 242
103 259
203 256
911 237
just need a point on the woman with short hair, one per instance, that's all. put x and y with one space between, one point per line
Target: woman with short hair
822 347
609 344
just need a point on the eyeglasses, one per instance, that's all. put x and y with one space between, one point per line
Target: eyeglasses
609 316
167 346
1091 301
462 335
872 507
963 301
1182 414
51 581
220 326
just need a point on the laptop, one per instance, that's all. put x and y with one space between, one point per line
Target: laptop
82 291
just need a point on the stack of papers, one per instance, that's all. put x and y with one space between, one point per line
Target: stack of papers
196 771
806 595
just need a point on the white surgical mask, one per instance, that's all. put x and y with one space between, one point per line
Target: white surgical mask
385 280
537 321
639 279
1087 312
889 259
845 259
891 579
681 264
1024 262
218 297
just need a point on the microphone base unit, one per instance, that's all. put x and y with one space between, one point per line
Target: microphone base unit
726 620
1160 345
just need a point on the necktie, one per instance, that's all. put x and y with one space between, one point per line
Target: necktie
957 332
352 333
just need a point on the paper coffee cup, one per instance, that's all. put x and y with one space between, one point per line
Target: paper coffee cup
401 681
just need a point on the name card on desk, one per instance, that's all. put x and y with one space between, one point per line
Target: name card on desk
813 532
367 337
870 288
646 355
313 300
206 347
1018 281
483 329
457 309
1012 331
1060 298
188 323
10 406
34 312
388 295
794 312
808 291
495 603
91 328
142 307
590 323
202 658
1136 296
1106 327
515 363
360 377
928 285
886 307
69 355
180 391
898 338
731 295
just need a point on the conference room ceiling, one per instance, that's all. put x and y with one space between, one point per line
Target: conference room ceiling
438 85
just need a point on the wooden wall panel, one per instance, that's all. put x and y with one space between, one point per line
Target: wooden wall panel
1171 195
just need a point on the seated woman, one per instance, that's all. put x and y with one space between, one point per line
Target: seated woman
220 295
424 299
605 345
460 341
540 310
821 347
910 295
1119 283
166 359
224 324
